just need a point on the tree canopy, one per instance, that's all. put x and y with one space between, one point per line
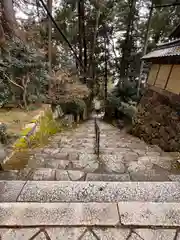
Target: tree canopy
107 36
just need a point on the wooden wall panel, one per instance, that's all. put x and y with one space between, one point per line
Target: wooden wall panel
173 84
153 74
163 75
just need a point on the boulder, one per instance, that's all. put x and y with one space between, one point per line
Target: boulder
58 112
69 118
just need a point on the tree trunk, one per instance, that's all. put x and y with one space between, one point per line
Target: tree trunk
10 25
127 43
80 21
91 60
145 47
106 69
84 39
49 3
2 36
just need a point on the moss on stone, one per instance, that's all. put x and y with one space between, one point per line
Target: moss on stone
25 131
47 126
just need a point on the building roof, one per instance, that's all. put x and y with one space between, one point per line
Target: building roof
167 49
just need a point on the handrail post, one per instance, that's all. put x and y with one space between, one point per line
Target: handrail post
97 138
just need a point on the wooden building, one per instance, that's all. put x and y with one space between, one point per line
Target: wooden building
165 69
158 116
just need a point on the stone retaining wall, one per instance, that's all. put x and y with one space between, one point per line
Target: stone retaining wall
158 119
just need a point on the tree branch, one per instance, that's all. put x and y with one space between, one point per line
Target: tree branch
14 83
167 5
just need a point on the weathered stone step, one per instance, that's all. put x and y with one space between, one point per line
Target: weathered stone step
138 214
174 177
58 214
72 191
90 233
81 162
50 174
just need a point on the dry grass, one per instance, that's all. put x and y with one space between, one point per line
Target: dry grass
16 118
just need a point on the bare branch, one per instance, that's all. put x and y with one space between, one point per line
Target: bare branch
14 83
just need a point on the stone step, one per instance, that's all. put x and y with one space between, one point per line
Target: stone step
121 214
73 191
82 162
89 233
175 178
50 174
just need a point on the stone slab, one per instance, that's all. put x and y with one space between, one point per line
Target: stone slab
130 156
158 234
17 234
107 177
58 214
74 149
49 191
54 163
113 163
15 174
178 236
9 175
86 162
174 178
149 214
62 175
9 190
111 233
24 174
88 236
149 175
43 174
70 175
163 162
76 175
134 236
61 156
65 233
40 236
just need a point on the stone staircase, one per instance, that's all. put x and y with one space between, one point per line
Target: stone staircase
130 193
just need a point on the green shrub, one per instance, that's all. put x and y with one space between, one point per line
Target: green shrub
128 110
75 107
18 61
122 101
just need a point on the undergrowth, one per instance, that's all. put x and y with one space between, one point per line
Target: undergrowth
46 127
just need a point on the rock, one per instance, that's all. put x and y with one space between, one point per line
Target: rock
120 124
58 112
69 118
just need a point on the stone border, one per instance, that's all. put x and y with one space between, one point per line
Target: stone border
79 191
126 214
